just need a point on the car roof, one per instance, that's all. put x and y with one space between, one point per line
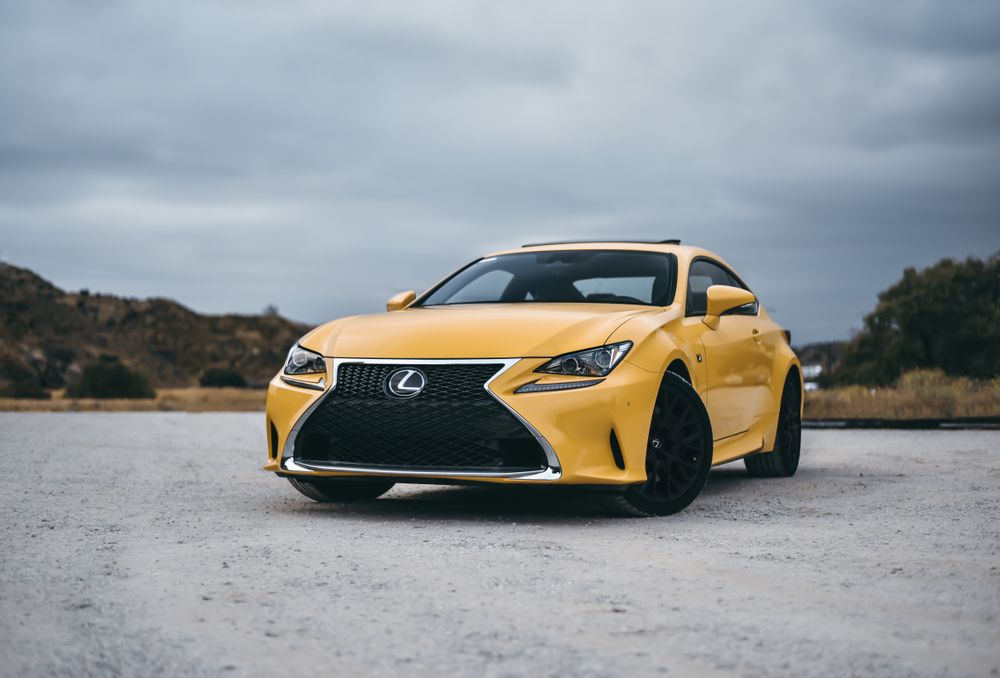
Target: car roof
668 246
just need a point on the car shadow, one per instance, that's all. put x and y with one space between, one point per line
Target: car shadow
725 481
468 502
563 505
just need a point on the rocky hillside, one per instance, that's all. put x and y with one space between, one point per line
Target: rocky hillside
49 335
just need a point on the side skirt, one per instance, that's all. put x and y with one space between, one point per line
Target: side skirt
758 438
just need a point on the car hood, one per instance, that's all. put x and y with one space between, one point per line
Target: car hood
472 331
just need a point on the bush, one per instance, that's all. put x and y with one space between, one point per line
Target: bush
222 377
944 317
22 381
926 380
110 378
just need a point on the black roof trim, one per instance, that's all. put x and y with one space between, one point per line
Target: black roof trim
588 242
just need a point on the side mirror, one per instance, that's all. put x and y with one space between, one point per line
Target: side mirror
722 298
400 301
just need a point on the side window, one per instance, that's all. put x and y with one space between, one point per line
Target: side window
703 274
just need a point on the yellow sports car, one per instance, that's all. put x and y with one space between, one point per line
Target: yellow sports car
626 368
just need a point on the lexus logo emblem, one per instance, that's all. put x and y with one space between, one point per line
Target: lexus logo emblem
405 383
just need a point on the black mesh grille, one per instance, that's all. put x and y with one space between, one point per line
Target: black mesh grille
453 424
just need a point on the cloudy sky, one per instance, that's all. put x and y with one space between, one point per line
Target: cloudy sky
321 155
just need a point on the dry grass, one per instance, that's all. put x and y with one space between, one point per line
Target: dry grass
923 394
167 400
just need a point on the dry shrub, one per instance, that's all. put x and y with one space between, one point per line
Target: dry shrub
167 399
919 394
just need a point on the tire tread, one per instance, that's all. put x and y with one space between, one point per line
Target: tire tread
624 504
773 464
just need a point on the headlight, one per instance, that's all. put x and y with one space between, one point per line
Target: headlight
594 362
303 361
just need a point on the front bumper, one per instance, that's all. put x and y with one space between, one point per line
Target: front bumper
573 427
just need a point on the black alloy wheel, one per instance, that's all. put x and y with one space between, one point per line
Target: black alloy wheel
678 454
783 461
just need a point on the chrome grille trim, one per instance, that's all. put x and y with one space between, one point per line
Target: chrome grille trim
553 472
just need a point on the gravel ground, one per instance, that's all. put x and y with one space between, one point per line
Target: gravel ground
144 544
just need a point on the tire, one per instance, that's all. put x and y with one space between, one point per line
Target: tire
783 461
328 490
678 454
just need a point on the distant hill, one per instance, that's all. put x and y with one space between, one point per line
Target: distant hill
55 334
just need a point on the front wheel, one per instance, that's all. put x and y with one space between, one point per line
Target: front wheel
325 489
678 454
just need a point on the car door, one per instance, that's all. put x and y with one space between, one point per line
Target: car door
733 355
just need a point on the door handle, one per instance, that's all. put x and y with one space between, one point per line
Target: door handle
756 335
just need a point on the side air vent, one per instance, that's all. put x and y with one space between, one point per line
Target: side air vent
616 451
272 450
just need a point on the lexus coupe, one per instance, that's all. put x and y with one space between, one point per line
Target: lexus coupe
626 368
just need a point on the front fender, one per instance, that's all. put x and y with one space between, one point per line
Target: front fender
659 341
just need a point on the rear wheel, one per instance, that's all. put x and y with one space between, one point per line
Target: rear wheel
335 490
784 460
678 454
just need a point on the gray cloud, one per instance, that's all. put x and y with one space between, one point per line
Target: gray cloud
321 156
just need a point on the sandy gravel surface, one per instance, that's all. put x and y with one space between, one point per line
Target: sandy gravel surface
145 544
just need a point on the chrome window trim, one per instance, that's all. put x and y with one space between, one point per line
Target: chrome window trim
553 472
732 274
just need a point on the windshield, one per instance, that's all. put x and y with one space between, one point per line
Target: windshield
565 276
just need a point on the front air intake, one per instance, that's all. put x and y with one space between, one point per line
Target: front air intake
454 424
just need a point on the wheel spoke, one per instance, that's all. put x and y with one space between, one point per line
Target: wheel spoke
686 462
674 455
